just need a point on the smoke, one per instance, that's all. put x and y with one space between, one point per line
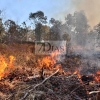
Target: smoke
91 9
82 40
81 14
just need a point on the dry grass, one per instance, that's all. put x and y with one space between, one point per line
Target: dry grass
19 80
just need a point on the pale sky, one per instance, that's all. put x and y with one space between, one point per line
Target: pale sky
19 10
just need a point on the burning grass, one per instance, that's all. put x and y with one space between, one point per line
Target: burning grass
24 76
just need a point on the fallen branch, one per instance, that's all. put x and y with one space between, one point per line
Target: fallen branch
33 87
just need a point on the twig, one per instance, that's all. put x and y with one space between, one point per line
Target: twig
33 77
27 93
71 76
94 92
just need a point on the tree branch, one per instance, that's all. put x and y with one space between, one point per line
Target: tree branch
27 93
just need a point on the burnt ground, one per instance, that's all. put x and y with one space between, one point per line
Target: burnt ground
27 77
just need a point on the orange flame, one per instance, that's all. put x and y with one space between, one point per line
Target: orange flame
5 66
49 61
77 73
97 76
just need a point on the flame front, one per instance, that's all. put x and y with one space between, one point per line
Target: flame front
49 61
5 66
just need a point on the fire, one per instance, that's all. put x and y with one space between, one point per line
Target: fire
49 61
97 76
5 65
92 77
11 61
77 73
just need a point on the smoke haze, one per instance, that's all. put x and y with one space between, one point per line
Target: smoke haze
91 9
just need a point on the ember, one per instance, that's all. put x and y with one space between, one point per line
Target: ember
97 76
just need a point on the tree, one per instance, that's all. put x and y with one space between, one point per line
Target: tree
38 18
79 24
21 34
45 32
15 32
11 30
2 29
55 30
66 37
97 28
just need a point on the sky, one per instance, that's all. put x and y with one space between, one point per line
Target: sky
19 10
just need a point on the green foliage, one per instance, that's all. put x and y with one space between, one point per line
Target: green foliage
38 19
76 24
